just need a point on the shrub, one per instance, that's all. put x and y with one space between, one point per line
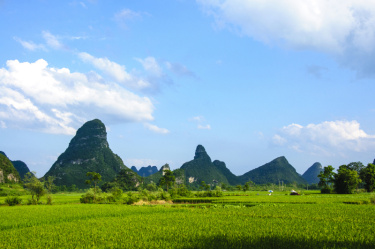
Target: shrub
13 200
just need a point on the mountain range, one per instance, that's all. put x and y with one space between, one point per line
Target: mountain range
89 151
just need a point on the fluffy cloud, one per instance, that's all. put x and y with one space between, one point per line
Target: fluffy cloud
344 28
54 100
115 71
156 129
329 137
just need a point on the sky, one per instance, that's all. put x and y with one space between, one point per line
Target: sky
250 80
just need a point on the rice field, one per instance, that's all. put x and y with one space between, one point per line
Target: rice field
309 221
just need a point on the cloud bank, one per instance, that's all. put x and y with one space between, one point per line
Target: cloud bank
342 28
55 100
328 138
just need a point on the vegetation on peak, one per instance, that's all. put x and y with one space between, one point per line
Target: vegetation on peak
275 171
8 174
201 154
88 151
20 166
202 169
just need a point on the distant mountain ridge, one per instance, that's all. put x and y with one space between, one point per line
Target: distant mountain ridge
88 151
277 170
145 171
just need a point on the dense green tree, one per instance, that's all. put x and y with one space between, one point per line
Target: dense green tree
35 187
368 176
239 187
168 179
357 166
326 179
246 187
95 178
346 180
151 187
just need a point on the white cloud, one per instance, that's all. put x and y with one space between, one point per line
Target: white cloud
55 100
200 120
29 45
115 71
156 129
151 65
344 28
52 41
329 138
204 127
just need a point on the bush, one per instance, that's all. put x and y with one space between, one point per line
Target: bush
326 191
49 200
130 198
13 200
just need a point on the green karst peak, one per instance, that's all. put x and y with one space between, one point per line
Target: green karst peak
88 151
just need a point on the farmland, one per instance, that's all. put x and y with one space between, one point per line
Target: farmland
233 221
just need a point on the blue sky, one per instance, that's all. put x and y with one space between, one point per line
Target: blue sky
250 80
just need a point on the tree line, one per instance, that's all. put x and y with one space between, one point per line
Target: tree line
348 178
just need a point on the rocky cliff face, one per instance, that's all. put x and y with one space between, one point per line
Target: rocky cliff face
311 174
88 151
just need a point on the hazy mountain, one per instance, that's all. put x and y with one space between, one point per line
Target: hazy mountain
145 171
20 166
88 151
311 174
8 172
277 170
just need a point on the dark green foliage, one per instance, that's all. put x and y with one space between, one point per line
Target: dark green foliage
346 180
88 151
20 166
155 178
311 174
277 170
35 187
326 179
126 179
8 174
368 176
13 200
168 179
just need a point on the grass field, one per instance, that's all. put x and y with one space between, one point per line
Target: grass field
277 221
